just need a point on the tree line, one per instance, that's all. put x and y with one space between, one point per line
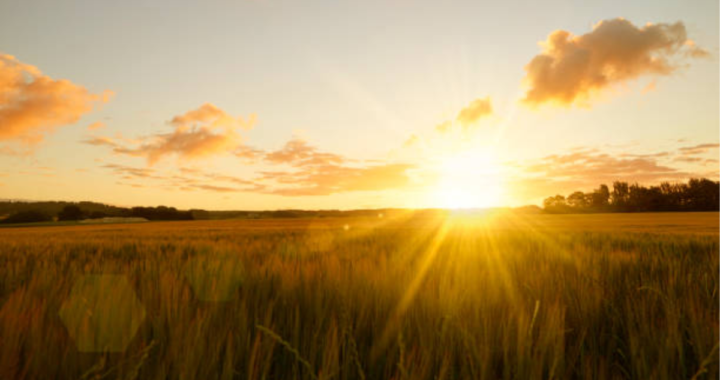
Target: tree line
695 195
15 212
73 212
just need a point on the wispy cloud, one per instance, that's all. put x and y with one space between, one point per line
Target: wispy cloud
101 141
199 133
96 125
469 116
310 172
332 179
297 152
597 167
474 111
129 172
586 168
699 149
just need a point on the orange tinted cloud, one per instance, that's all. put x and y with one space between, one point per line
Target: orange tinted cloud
572 69
211 117
129 172
323 173
96 125
199 133
298 152
32 104
468 116
699 149
101 141
309 180
476 110
248 153
586 169
310 171
593 166
331 179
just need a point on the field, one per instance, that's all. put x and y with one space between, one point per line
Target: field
407 296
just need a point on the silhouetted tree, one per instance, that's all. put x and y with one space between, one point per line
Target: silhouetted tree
555 204
697 195
30 216
160 213
198 214
702 195
70 212
577 200
600 198
620 195
97 215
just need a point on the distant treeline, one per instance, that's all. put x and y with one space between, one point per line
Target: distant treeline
696 195
29 212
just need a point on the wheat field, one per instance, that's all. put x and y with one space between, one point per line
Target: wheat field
405 296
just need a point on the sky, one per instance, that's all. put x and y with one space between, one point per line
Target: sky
270 104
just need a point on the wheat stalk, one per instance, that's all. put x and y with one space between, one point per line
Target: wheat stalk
290 348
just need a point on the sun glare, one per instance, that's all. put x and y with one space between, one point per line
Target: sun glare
469 179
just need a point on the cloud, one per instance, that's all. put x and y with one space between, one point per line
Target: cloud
101 141
469 115
217 189
331 179
588 168
297 152
595 167
32 104
186 179
306 181
310 171
96 125
476 110
444 126
689 159
227 178
199 133
572 69
211 117
322 173
695 51
248 153
698 149
129 172
411 141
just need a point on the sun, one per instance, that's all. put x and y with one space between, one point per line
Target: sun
469 179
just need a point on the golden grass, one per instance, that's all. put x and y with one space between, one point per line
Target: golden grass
408 297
